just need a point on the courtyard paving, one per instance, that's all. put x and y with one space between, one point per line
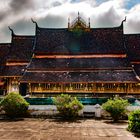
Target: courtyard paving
51 129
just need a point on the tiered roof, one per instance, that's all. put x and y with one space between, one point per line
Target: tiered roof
78 74
74 54
79 55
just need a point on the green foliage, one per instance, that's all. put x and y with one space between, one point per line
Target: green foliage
116 107
14 105
67 106
134 121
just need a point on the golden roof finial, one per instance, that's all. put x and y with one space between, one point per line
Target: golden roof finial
68 22
78 16
89 22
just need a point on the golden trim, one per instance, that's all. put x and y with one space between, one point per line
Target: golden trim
83 56
135 62
16 63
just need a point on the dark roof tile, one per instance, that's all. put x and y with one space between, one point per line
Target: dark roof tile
13 71
21 48
62 41
4 51
137 69
132 42
94 76
79 63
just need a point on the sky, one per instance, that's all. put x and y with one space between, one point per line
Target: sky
55 13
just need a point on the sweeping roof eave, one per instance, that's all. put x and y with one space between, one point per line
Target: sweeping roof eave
70 77
100 82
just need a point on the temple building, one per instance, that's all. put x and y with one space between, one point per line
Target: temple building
74 60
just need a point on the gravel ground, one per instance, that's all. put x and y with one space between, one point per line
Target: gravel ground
52 129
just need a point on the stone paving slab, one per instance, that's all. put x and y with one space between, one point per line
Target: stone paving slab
48 129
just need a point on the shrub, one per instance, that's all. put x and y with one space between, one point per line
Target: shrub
67 106
14 105
134 121
116 108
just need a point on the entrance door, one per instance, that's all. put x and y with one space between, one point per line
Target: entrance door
23 89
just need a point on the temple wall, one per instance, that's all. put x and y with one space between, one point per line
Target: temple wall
127 88
12 85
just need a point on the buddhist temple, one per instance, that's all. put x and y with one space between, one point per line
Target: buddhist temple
78 59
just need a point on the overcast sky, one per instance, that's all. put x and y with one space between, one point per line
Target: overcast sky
55 13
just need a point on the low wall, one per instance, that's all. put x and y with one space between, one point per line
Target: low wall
52 110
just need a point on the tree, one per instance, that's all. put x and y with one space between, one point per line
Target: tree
134 121
67 106
14 105
116 107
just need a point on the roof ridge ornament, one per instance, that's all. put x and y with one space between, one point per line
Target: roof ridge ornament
68 22
78 23
123 21
34 22
78 16
89 22
12 32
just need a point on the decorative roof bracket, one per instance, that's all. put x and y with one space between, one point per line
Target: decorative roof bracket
123 21
34 22
12 32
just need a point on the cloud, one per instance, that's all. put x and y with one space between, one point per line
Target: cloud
54 13
131 3
18 5
108 18
4 9
2 15
133 20
53 21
